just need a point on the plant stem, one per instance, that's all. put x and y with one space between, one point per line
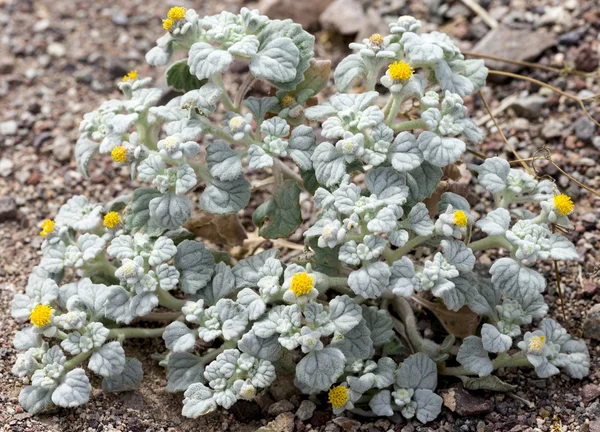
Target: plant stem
134 332
225 99
289 173
409 125
243 89
161 316
215 130
517 360
489 243
393 109
77 360
167 300
395 255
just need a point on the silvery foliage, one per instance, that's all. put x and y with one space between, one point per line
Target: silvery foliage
263 314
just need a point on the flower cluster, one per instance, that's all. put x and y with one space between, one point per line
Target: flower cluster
375 181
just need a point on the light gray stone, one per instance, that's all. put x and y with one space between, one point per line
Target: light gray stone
344 16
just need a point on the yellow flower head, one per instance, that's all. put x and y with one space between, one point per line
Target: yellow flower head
40 316
131 76
536 343
119 154
287 101
47 227
460 218
302 284
376 39
112 219
564 204
400 71
175 14
338 396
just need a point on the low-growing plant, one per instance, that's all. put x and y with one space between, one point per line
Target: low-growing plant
341 320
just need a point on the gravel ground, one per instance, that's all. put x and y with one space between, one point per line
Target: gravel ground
62 58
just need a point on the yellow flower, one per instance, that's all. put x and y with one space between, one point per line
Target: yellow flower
167 24
564 204
536 343
376 39
287 101
302 284
47 227
112 219
338 396
40 316
131 76
119 154
400 71
175 14
460 218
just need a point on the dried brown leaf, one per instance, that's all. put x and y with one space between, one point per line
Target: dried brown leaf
224 230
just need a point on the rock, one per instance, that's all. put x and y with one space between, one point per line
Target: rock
56 49
41 25
117 68
7 65
347 424
593 410
596 142
304 12
591 325
306 410
283 423
552 129
463 403
587 60
8 209
62 149
119 18
246 411
585 129
283 387
573 37
529 107
514 44
594 426
6 167
589 392
9 127
280 407
344 16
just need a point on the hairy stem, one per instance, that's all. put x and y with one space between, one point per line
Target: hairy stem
77 360
243 89
409 125
167 300
161 316
395 255
134 332
490 242
517 360
215 130
289 173
225 99
396 100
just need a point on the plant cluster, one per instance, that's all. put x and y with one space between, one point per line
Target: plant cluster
340 321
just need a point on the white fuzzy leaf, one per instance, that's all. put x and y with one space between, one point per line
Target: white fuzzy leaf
318 370
73 391
417 372
371 280
170 211
440 151
178 337
224 163
108 360
516 280
474 357
205 60
493 340
221 197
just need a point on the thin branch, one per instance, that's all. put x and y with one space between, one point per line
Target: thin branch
481 12
487 107
551 87
564 71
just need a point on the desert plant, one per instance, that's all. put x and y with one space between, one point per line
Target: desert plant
341 321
